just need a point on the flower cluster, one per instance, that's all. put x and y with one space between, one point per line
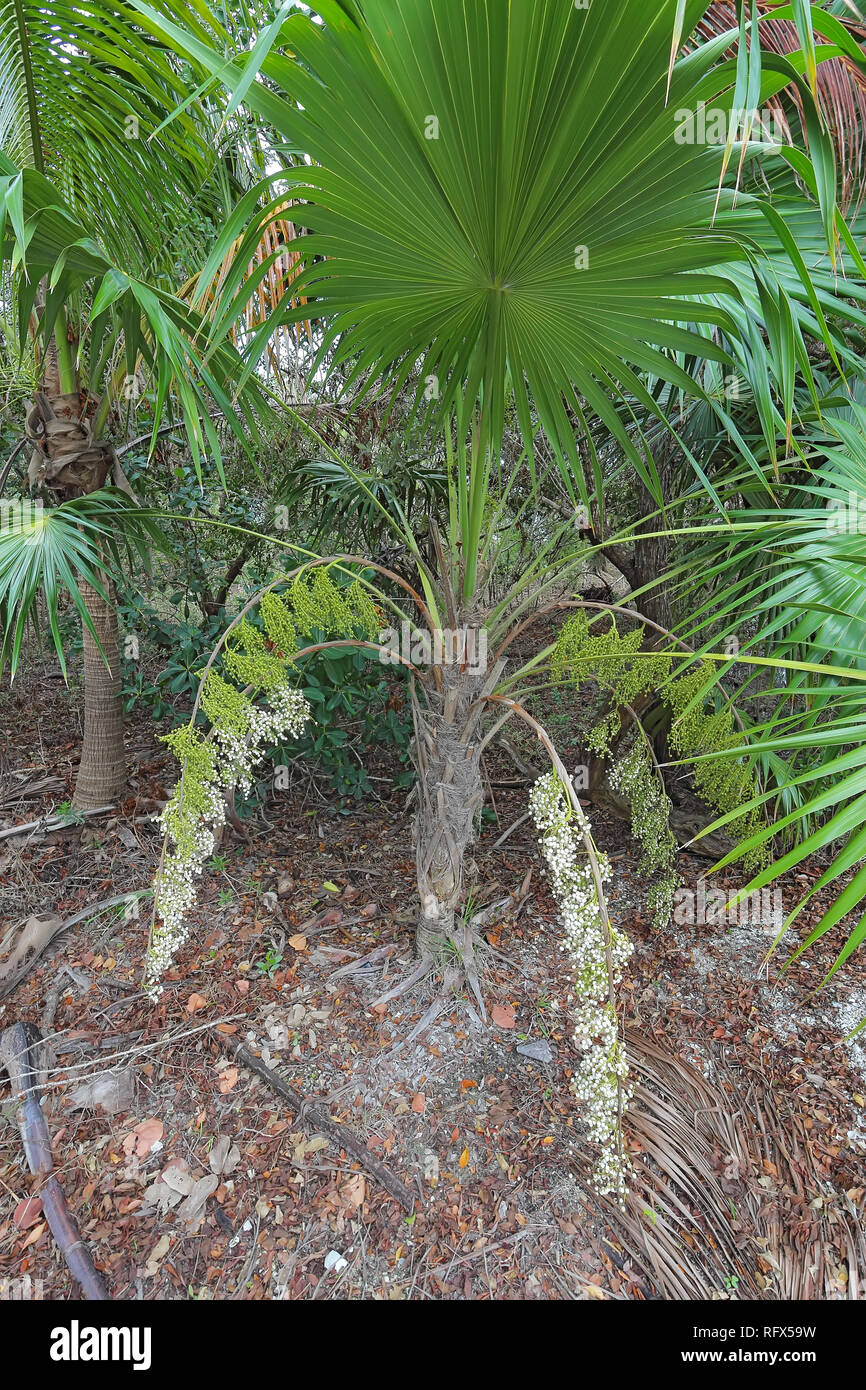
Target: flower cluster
640 783
616 661
241 731
598 953
724 783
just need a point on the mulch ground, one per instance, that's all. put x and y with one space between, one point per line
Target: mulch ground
203 1184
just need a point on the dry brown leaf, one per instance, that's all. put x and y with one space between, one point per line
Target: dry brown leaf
503 1015
228 1079
224 1157
34 1235
27 1212
156 1256
195 1002
141 1140
354 1190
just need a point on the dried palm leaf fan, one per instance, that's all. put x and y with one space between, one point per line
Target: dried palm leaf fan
726 1199
841 91
273 266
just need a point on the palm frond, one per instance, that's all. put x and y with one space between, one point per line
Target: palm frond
500 199
48 552
82 94
840 90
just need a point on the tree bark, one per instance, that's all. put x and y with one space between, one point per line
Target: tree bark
102 769
450 794
67 460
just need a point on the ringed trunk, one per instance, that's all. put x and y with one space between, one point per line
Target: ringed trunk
102 769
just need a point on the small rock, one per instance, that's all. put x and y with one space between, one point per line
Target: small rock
539 1050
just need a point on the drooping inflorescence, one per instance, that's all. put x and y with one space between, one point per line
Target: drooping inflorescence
598 953
263 708
627 674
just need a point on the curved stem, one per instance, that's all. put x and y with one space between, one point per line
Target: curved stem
284 579
592 856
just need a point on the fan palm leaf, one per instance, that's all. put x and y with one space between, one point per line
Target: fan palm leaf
48 552
498 193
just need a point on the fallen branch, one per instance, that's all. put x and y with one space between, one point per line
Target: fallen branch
48 823
337 1133
18 1046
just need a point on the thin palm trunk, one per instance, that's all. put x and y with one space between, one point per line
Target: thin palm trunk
450 798
70 462
102 770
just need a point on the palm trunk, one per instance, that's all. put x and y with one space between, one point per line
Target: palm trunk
450 797
102 770
71 463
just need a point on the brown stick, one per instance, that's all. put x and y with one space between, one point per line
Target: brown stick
49 823
337 1133
18 1046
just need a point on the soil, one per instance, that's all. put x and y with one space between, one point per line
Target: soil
291 943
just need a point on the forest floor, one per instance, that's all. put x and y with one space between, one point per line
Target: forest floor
197 1181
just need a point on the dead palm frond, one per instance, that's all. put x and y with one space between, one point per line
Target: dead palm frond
264 286
726 1200
841 91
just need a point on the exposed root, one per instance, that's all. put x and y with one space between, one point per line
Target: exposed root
443 1000
470 970
460 964
460 969
426 967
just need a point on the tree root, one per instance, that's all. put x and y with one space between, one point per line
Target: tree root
460 972
459 965
426 967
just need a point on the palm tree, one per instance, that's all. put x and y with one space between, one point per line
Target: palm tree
100 210
502 210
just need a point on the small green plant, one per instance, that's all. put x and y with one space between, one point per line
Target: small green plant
541 1005
731 1281
271 963
67 813
217 864
225 897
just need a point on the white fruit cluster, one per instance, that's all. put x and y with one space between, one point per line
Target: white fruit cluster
197 810
175 888
597 955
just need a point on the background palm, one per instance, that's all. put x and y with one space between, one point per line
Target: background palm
101 215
